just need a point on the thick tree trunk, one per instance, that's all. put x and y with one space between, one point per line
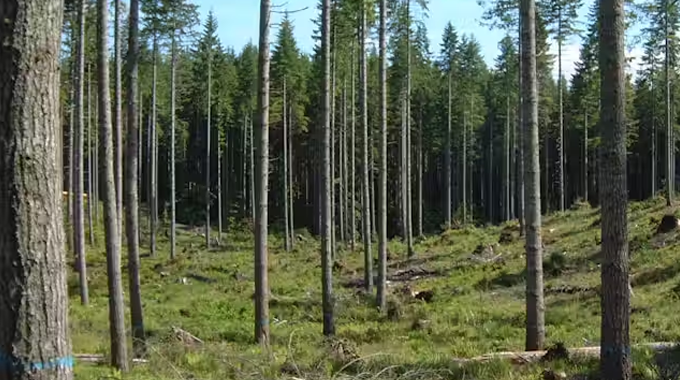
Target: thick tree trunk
615 357
78 217
262 183
326 180
366 179
117 117
34 295
133 174
116 314
381 299
535 329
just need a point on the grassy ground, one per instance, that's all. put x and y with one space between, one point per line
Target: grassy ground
477 307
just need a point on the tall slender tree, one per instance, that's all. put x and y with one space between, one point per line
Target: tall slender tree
382 193
326 178
132 176
366 164
615 359
535 329
115 285
34 296
262 181
117 116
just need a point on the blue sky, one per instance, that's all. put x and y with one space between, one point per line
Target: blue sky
239 20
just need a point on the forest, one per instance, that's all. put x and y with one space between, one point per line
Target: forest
377 208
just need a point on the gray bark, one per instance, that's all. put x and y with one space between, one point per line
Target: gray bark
447 160
326 180
152 153
670 148
615 357
90 171
132 183
535 329
33 291
366 182
173 202
262 181
115 285
352 163
382 208
409 192
117 117
78 217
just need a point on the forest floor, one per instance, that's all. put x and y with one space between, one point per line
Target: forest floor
477 305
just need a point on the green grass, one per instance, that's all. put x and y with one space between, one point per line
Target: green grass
478 306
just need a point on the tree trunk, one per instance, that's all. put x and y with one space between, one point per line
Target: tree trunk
366 180
382 208
208 131
219 188
262 183
34 332
116 314
78 217
341 163
353 153
670 174
291 193
585 158
244 181
287 231
132 183
615 356
535 329
334 65
140 138
117 117
420 173
173 203
508 184
519 158
409 196
252 171
326 183
90 197
152 154
448 170
560 140
464 167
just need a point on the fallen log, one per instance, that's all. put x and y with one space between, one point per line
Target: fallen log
96 358
524 357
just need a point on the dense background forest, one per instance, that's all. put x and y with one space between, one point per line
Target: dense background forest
421 147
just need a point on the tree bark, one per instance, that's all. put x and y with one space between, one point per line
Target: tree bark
615 355
132 182
262 182
78 217
117 117
353 153
90 160
447 160
409 192
291 187
33 292
535 329
670 148
326 180
113 260
366 180
560 140
382 208
173 203
152 154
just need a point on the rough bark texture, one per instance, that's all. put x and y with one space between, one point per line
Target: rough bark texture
115 283
133 174
366 184
34 340
615 356
262 181
535 329
327 170
381 299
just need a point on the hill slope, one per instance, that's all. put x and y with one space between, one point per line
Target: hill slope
477 305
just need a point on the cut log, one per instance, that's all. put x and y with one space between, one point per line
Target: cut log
523 357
